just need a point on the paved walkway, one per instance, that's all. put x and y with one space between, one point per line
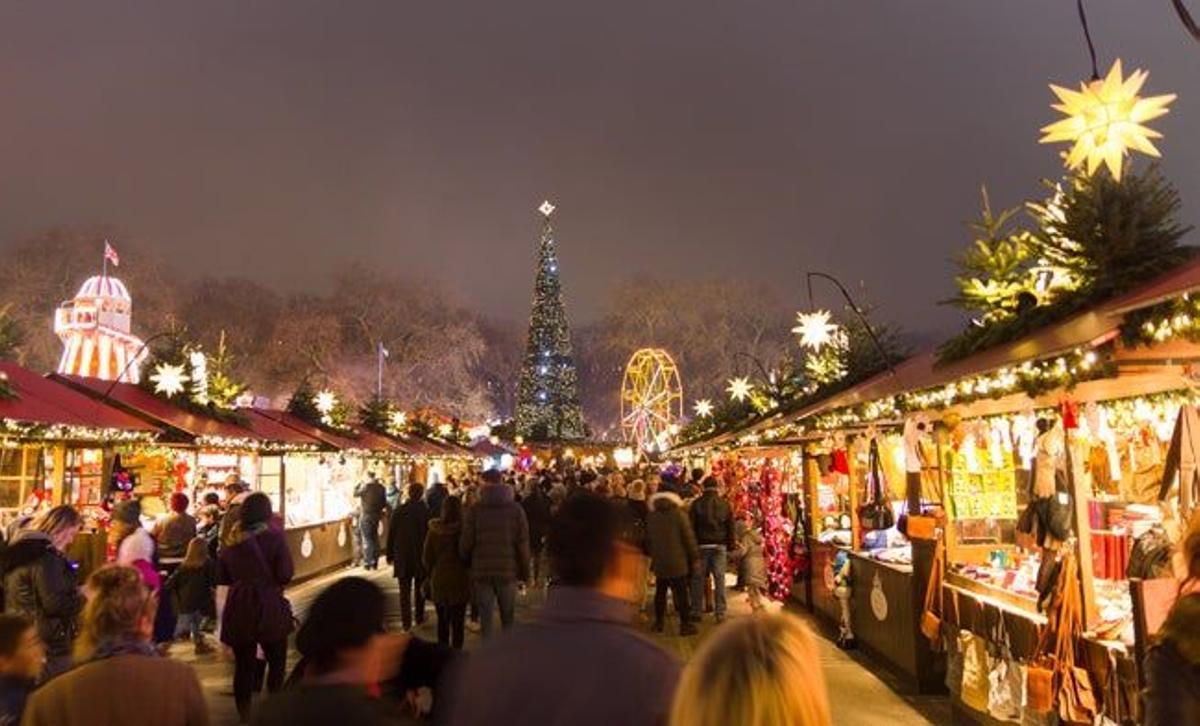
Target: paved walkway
858 696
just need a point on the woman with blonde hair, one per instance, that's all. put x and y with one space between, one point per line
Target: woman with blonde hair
757 671
119 677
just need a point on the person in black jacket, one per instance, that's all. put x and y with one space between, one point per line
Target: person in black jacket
405 547
536 504
712 520
40 582
191 587
373 499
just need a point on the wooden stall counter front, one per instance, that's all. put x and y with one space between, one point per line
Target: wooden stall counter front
319 548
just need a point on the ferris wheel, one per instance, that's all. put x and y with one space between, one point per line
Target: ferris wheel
651 400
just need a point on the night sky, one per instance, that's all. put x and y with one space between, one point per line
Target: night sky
678 138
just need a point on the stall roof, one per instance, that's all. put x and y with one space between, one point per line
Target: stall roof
275 431
141 402
42 401
294 422
1092 326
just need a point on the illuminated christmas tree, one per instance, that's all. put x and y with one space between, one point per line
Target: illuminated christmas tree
547 396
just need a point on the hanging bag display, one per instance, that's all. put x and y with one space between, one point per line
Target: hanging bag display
1004 677
877 513
1076 700
931 617
975 683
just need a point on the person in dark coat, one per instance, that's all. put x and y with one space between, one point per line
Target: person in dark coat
1173 662
191 588
22 658
673 557
545 672
635 514
406 538
495 545
712 521
372 498
40 582
256 614
434 497
536 504
449 583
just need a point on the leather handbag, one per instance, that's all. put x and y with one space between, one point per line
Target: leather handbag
1076 699
975 684
877 513
931 617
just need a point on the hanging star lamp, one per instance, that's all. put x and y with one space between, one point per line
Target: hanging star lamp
739 388
703 408
815 329
398 420
169 380
1105 119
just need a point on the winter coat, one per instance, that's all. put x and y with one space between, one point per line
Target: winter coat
40 582
448 580
435 495
754 564
495 536
124 689
671 541
14 693
256 570
173 535
374 499
322 704
192 588
537 513
712 520
545 673
633 522
406 537
1173 667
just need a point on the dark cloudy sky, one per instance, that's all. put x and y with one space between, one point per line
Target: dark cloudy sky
678 137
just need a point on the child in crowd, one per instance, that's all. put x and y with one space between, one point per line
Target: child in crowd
754 565
192 586
22 657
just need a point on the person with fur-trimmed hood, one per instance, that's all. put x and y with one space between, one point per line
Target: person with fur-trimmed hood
674 555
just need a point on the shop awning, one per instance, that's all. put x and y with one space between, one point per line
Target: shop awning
192 427
280 435
57 411
356 441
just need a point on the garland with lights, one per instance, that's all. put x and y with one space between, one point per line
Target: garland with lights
63 432
1176 318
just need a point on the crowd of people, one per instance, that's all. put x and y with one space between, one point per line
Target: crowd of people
92 652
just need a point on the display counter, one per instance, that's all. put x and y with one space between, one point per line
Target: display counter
318 548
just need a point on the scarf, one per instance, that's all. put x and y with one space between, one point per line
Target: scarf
122 646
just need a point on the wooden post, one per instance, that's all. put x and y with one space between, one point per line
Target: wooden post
283 489
60 473
943 474
1083 539
855 525
812 479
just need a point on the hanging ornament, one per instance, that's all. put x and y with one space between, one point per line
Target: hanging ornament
815 329
325 402
1104 120
739 388
169 380
703 408
398 420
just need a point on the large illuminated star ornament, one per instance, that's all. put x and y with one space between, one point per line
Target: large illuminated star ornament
1104 119
398 420
169 380
739 388
703 408
815 329
325 401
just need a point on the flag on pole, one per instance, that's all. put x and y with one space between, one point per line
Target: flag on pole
110 254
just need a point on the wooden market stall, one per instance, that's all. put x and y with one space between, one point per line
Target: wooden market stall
55 442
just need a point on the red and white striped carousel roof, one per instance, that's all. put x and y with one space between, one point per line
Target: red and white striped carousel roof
104 286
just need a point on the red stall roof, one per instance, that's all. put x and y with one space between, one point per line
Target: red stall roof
294 422
145 404
42 401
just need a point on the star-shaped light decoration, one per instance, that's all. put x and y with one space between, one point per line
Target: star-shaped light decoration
445 430
547 208
398 420
815 329
325 401
169 380
1104 120
703 408
739 388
